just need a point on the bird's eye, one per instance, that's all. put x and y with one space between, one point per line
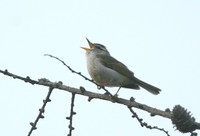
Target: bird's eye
99 48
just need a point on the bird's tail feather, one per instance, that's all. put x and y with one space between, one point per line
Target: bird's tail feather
150 88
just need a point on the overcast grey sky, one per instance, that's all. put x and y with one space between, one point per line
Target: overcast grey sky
158 40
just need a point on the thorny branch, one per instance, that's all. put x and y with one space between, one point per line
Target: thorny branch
79 73
144 123
41 111
70 118
90 94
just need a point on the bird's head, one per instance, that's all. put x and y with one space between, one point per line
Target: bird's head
96 48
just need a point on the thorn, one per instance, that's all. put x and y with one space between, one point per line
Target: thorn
41 116
31 123
60 82
74 113
90 98
82 89
141 120
41 110
27 79
47 100
6 71
167 110
152 114
132 99
33 126
71 127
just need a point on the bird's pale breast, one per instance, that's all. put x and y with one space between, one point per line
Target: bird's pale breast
102 75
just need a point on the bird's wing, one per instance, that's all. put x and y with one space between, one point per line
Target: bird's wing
114 64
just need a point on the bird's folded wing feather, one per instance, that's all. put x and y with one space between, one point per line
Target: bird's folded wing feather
114 64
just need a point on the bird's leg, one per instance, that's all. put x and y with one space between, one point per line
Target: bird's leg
117 91
107 92
103 87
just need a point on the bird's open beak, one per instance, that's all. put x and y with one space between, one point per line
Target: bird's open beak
90 44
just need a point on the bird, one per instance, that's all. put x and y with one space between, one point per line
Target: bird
107 71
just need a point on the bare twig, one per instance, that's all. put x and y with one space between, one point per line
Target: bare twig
79 73
70 118
144 124
41 111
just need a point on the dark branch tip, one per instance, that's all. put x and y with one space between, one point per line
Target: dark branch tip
48 100
33 125
82 89
41 116
89 99
167 110
6 71
132 99
152 114
60 82
41 110
70 127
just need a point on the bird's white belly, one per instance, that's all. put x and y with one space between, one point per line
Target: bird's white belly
105 76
